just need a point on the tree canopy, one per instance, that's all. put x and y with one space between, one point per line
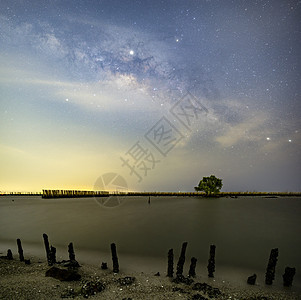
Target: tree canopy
210 185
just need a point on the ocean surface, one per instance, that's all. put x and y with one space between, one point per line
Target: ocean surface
244 230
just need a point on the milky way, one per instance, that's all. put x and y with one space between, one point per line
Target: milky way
83 82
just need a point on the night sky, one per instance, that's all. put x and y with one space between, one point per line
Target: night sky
160 92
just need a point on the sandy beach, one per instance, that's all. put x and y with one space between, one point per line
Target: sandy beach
21 281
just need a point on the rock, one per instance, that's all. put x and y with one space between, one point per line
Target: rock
207 289
126 280
92 287
182 279
69 293
27 261
252 279
62 275
89 288
70 264
104 266
157 274
288 276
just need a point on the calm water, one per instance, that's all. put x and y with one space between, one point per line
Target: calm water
243 229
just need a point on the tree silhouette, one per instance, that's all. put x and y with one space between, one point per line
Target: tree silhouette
210 185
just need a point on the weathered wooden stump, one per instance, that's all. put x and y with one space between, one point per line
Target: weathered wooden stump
20 250
252 279
71 252
181 261
47 248
170 263
191 272
104 266
9 255
114 258
211 261
270 273
52 255
288 276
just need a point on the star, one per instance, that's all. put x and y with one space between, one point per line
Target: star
132 52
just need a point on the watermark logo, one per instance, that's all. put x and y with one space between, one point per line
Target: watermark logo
111 187
144 155
163 136
188 109
139 160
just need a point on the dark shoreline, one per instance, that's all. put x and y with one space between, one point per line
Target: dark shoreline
85 194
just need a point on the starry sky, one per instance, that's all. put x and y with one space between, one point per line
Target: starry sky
160 92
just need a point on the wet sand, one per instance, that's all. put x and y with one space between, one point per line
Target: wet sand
20 281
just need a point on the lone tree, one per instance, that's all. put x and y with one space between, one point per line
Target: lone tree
210 185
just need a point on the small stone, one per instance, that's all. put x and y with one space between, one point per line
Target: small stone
157 274
207 289
182 279
252 279
92 287
104 266
126 280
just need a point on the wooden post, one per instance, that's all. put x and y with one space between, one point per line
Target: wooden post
211 261
71 252
9 255
114 258
181 261
288 276
270 273
47 248
192 267
170 263
52 254
20 250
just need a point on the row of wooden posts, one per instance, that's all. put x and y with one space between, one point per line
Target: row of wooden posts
288 275
72 194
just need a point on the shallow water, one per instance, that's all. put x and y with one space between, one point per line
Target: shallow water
243 229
